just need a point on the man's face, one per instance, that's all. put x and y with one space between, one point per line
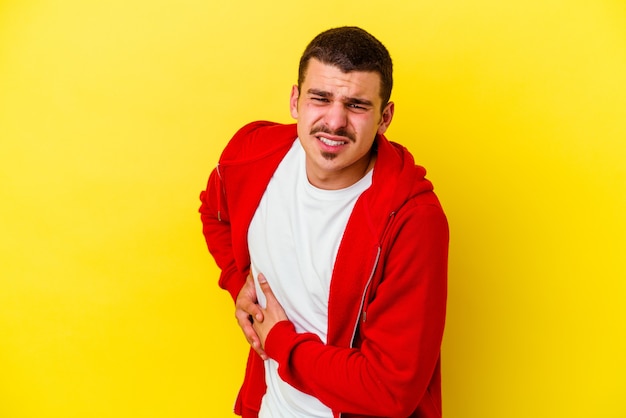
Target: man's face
338 115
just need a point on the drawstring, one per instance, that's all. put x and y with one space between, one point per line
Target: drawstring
218 189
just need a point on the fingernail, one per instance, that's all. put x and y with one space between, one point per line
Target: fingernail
262 278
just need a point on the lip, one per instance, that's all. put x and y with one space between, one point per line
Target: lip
339 140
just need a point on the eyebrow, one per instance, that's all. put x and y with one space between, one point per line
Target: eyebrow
348 100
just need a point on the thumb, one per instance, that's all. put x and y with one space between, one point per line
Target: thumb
265 287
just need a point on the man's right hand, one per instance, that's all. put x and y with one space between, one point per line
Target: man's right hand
247 307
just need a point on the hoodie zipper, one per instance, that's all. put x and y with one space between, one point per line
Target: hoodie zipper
362 313
367 285
363 295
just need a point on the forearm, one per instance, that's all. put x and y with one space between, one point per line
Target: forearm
386 375
398 345
362 380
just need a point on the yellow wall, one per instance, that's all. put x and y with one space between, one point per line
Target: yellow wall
113 112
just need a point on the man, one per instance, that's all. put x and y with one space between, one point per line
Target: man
333 246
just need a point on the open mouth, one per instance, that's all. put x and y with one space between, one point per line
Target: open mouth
331 143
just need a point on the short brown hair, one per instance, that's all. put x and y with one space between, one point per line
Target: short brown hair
350 49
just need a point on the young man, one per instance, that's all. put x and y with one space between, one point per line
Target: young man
333 247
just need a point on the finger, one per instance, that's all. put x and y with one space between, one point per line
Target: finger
247 303
245 323
252 310
258 347
265 287
273 311
250 334
255 343
243 318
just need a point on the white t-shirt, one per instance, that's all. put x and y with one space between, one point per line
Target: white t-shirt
293 240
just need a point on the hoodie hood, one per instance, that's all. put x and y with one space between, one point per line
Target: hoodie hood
396 178
394 183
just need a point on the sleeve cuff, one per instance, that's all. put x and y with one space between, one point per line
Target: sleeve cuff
277 343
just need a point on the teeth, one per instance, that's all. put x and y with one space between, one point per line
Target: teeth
332 143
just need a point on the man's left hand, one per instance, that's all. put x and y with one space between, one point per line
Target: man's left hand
272 314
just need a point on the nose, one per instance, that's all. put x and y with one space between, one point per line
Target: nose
336 116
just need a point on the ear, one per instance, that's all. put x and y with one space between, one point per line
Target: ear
293 101
386 117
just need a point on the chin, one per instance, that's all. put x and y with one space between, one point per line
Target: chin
329 156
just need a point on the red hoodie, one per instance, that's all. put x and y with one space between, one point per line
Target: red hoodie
387 300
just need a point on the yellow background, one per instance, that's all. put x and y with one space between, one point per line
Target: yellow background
113 112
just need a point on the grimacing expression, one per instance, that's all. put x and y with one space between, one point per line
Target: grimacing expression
338 116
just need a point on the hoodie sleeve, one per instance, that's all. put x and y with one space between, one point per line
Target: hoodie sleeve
214 211
217 233
399 339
